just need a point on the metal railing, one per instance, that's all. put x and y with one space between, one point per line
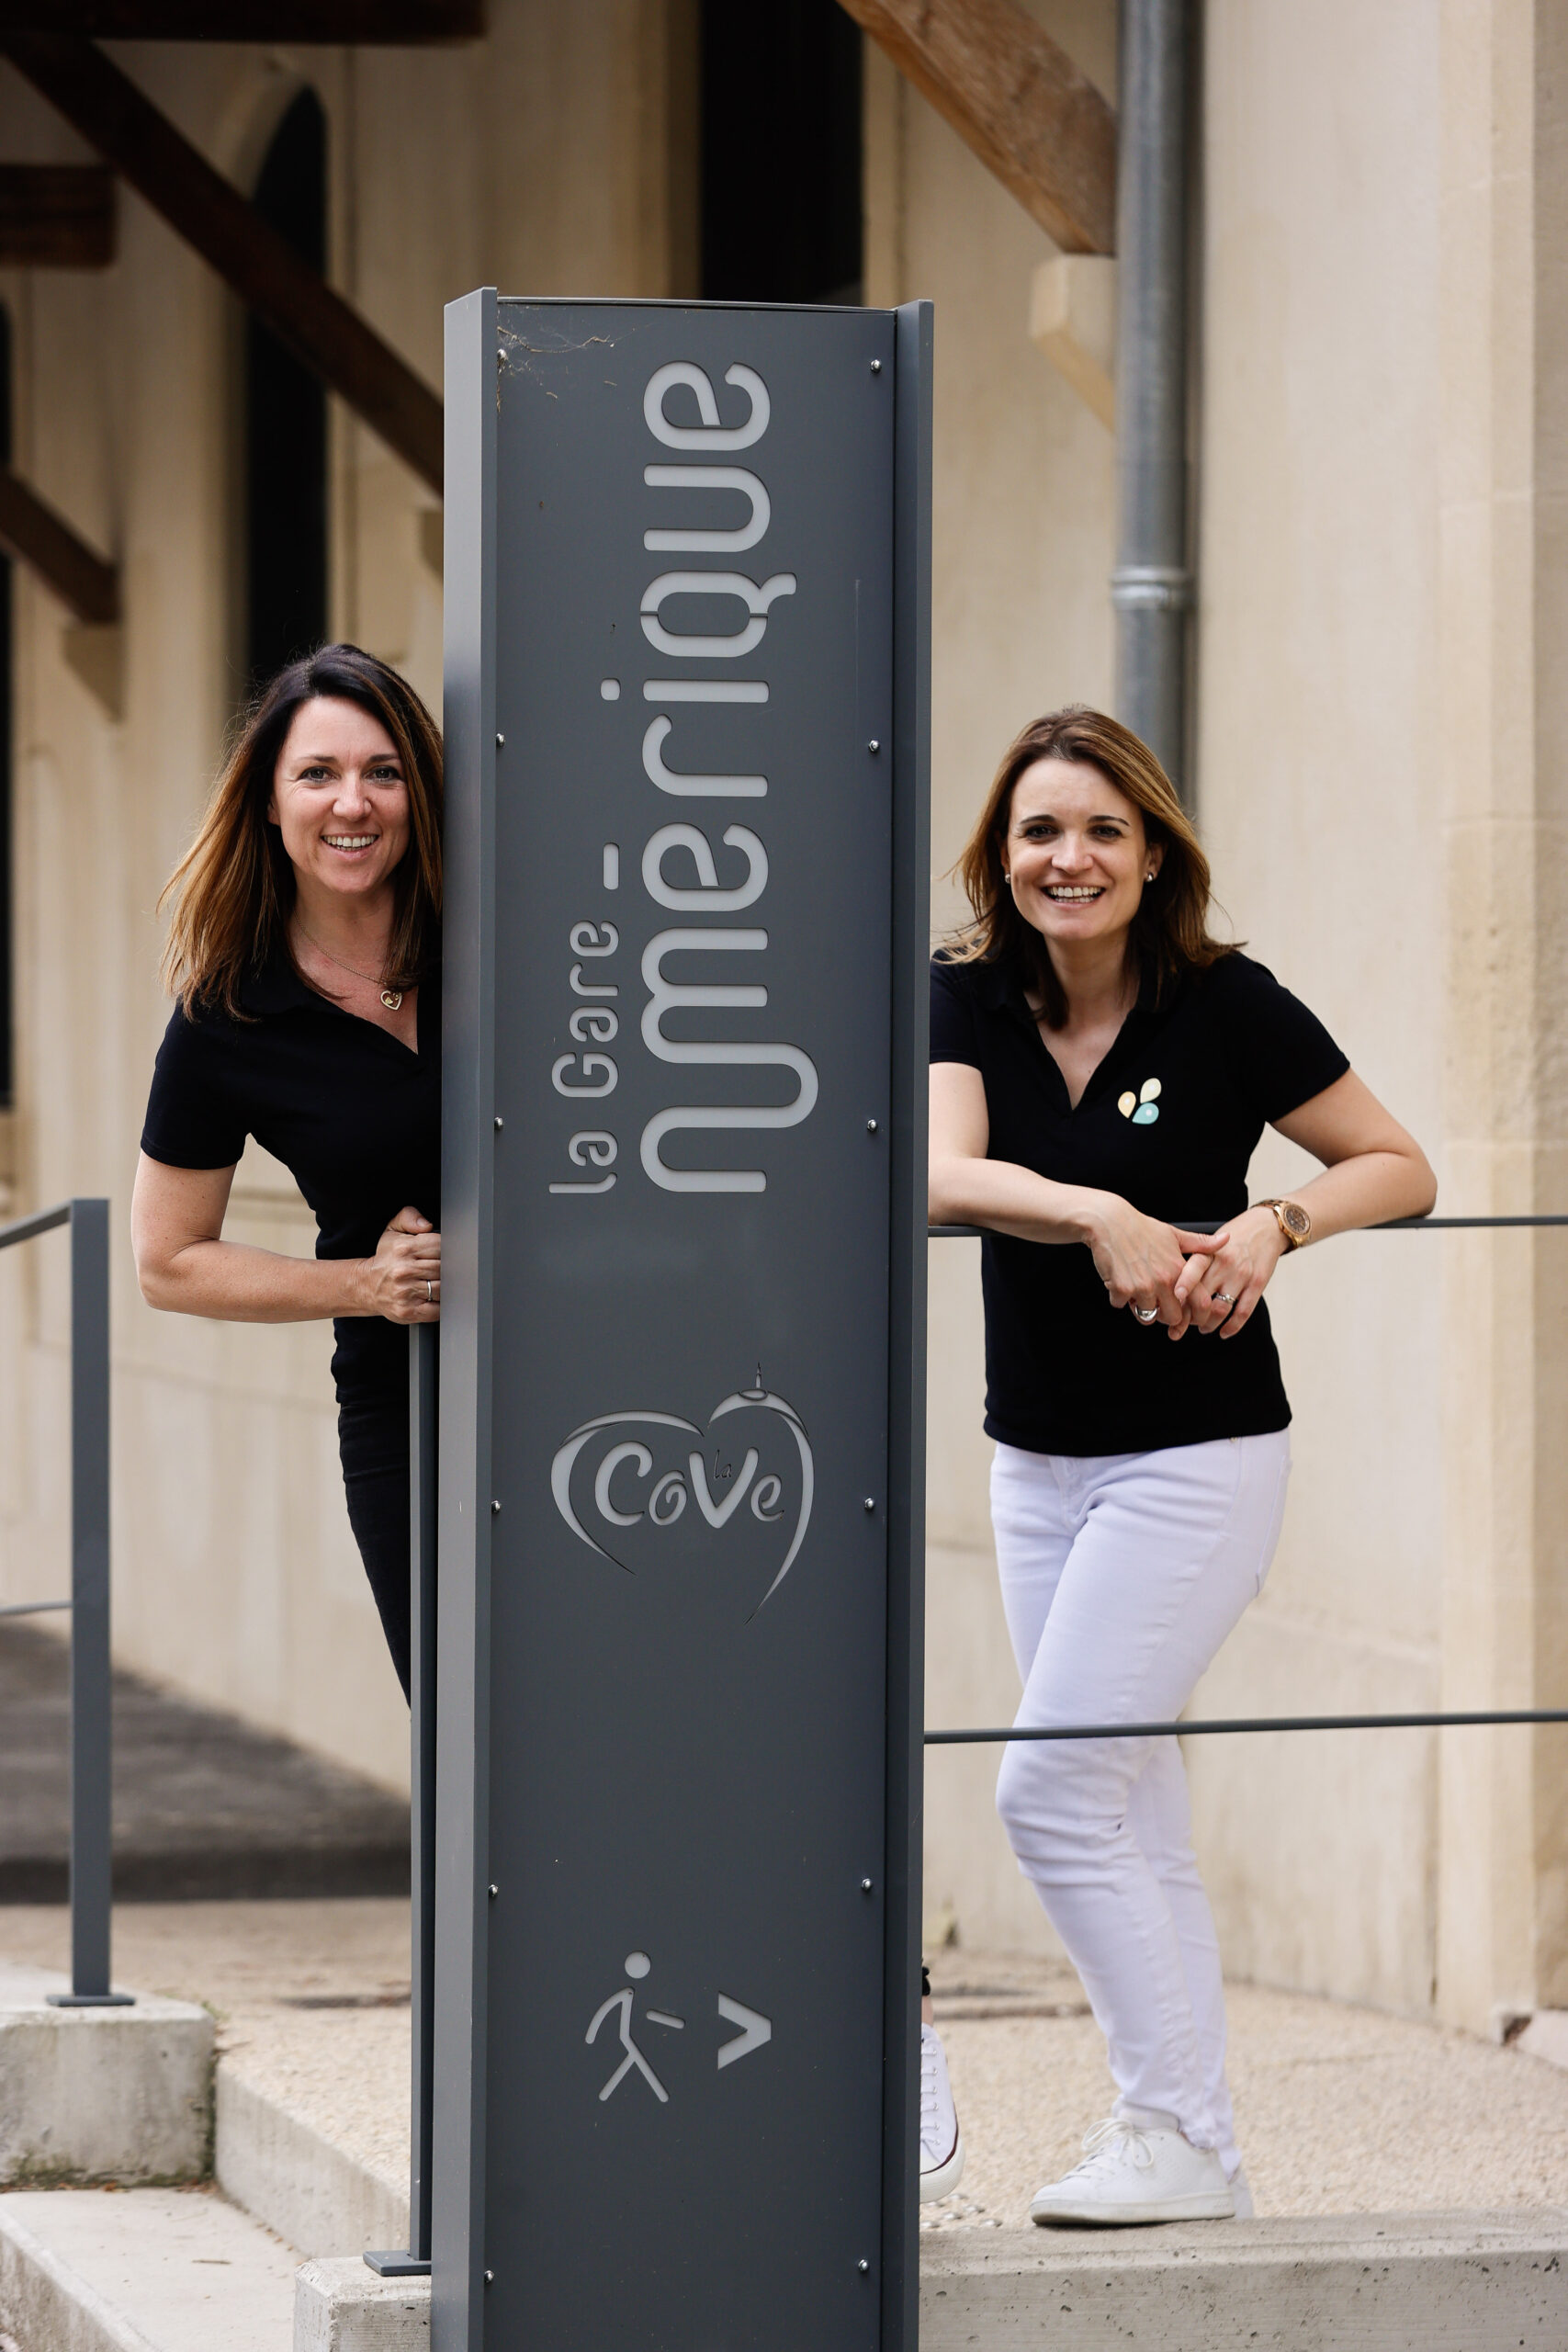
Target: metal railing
92 1737
995 1734
424 1395
424 1387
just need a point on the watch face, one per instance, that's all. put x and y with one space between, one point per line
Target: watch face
1296 1219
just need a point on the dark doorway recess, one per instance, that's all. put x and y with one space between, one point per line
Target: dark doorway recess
781 151
285 420
6 716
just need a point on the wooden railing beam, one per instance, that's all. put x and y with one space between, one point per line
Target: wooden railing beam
1016 98
105 106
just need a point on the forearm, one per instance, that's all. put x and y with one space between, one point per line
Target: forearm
1008 1199
233 1283
1369 1189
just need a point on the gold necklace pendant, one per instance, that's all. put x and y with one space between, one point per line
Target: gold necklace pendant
392 999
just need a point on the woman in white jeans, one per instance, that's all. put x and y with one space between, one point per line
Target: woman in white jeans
1100 1066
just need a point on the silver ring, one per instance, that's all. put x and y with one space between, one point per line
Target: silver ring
1147 1313
1224 1298
429 1294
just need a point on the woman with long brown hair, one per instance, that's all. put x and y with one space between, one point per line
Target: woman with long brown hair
304 952
1101 1065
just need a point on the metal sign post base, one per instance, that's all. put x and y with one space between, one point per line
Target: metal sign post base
398 2266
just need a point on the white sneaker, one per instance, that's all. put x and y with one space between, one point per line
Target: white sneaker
941 2142
1136 2170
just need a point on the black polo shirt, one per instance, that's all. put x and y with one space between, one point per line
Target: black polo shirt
354 1116
1169 1121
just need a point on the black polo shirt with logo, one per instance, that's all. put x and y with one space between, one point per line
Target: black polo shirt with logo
1169 1121
354 1114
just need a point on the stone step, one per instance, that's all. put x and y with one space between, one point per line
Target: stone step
287 2173
1426 2282
1443 2282
141 2270
1478 2282
100 2094
162 2270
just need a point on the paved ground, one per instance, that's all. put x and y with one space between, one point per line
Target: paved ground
1343 2111
204 1805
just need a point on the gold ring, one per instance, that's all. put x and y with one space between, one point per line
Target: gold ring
429 1294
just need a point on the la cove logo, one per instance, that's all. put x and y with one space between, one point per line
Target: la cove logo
629 1485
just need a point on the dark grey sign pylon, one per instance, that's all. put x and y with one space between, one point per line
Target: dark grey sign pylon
682 1341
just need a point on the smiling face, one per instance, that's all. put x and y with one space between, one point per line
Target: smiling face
1076 853
340 799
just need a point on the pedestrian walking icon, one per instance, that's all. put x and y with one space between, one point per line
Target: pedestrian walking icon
755 2030
637 1964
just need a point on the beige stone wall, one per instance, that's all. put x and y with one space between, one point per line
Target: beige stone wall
1022 546
1319 774
1502 1933
548 151
1383 460
1379 461
1383 472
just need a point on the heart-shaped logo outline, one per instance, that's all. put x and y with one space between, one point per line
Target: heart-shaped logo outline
565 1461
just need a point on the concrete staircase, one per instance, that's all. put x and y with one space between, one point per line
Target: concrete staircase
265 2258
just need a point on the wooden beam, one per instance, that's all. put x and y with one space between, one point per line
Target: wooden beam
108 110
391 23
1017 99
57 216
35 535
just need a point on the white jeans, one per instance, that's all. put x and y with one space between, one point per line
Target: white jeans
1122 1574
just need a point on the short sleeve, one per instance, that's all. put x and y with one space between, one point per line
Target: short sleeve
953 1016
1279 1052
189 1122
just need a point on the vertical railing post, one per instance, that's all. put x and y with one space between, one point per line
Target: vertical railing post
423 1382
425 1360
91 1719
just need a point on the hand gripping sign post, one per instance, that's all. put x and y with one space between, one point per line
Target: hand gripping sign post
682 1399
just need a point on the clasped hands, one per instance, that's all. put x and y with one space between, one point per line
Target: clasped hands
1203 1281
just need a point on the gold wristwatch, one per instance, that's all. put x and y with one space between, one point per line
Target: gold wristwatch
1292 1220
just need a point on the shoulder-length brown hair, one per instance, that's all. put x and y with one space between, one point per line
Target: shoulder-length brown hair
1170 933
233 889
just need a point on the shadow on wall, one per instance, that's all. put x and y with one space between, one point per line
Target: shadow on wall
205 1807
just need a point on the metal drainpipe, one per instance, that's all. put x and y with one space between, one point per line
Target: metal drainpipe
1151 587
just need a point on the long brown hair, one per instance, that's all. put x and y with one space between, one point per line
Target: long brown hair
233 889
1170 933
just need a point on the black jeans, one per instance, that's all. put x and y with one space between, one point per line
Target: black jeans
373 1446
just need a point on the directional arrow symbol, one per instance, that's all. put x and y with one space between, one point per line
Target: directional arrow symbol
758 2029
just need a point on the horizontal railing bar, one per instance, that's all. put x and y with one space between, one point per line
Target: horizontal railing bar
1248 1723
31 1608
1268 1722
1212 1225
22 1228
